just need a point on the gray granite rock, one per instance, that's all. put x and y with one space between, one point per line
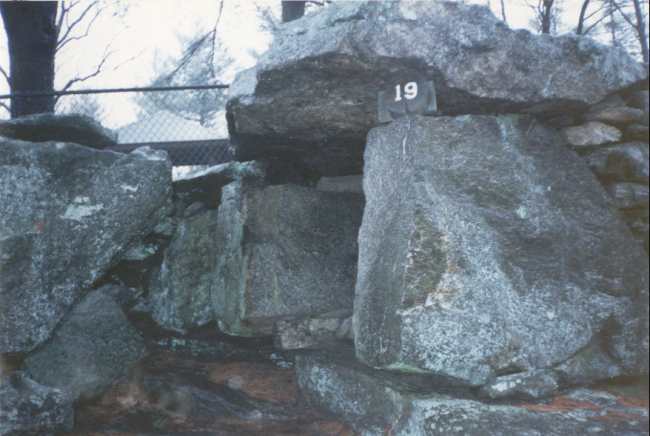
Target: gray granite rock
284 251
591 134
376 403
67 214
78 129
637 132
30 409
94 346
487 247
313 96
641 100
181 292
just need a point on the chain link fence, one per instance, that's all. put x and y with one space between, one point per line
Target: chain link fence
187 121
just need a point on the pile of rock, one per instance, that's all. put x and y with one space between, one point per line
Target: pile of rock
68 214
495 276
613 137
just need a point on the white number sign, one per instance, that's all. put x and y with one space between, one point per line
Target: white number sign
410 91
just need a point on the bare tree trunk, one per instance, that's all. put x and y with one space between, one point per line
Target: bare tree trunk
503 12
292 10
547 16
32 39
581 18
641 32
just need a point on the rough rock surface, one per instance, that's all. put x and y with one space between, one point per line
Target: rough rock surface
487 247
67 213
313 332
94 346
312 97
626 162
352 184
591 134
629 195
376 403
181 293
78 129
30 409
285 251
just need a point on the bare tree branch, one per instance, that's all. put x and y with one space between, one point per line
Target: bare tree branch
68 37
95 73
4 74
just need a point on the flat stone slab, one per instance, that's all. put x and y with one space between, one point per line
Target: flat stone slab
488 247
78 129
375 402
313 96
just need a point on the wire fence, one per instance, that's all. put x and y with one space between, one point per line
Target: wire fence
187 121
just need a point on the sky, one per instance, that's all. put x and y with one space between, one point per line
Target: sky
152 29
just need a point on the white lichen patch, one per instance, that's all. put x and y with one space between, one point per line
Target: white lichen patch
129 188
80 209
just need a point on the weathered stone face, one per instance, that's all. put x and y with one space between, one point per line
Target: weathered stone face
94 346
487 247
28 408
67 213
312 97
78 129
180 297
375 402
285 251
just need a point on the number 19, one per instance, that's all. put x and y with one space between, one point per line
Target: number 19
410 91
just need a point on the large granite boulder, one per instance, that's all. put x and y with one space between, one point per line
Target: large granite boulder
487 248
284 251
30 409
380 403
75 128
67 213
313 96
94 346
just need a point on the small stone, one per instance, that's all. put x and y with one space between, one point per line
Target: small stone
28 408
313 332
78 129
637 132
531 385
629 195
353 184
591 134
627 162
621 115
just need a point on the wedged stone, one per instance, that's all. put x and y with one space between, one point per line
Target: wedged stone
629 195
181 292
313 96
641 100
284 251
75 128
529 385
93 347
376 403
626 162
638 221
591 134
205 185
312 332
590 363
352 184
30 409
67 214
613 110
486 248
